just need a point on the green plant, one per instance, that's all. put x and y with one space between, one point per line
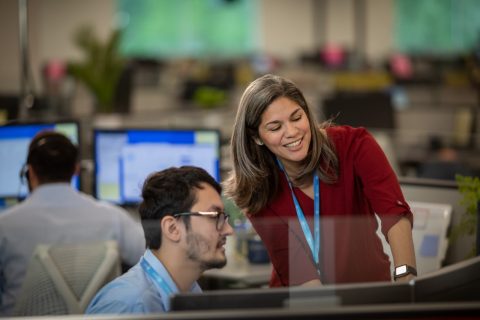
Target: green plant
101 67
469 187
209 97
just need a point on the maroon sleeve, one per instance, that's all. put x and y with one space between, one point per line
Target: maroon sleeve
379 181
282 237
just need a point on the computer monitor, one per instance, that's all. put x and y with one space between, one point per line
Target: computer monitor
372 110
459 282
456 282
295 297
124 157
15 138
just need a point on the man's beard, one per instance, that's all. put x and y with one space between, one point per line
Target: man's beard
197 246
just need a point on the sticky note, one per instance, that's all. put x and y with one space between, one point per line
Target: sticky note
429 245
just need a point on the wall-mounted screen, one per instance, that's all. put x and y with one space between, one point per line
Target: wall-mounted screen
123 158
188 28
14 141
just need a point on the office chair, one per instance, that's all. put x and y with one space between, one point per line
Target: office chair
62 279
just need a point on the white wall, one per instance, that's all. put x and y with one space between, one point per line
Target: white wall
9 53
287 27
379 28
340 22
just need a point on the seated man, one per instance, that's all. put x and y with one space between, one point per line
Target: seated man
185 229
55 213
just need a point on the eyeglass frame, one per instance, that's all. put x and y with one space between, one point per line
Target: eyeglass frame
210 214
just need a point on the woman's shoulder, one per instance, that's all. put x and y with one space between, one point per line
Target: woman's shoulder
344 130
343 133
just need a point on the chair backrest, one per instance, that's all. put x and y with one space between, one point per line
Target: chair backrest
62 279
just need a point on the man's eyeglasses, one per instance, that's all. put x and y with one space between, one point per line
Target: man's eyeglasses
220 216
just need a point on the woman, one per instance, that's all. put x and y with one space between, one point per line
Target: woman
288 172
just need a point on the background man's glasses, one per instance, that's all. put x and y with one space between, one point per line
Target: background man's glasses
220 216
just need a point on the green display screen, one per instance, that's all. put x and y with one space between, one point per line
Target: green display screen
188 28
437 26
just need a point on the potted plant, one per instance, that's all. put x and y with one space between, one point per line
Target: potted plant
101 67
469 188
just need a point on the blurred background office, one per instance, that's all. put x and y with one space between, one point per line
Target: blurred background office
408 70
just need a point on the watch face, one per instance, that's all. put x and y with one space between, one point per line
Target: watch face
401 270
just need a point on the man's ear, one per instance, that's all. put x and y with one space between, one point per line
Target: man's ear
171 228
32 178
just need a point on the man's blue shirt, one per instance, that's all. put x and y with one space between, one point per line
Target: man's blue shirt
136 291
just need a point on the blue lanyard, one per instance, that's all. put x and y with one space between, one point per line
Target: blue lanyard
155 276
313 243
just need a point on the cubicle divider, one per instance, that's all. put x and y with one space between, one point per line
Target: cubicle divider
441 192
430 235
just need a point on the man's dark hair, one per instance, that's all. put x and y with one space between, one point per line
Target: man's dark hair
168 192
53 157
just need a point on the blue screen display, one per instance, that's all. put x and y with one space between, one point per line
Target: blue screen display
123 158
14 142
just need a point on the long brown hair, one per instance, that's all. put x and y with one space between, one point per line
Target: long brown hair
254 179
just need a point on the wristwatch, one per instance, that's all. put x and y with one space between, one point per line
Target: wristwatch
403 270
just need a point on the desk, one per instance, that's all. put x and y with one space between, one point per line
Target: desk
239 272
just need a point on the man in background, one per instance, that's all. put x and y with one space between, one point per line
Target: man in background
185 230
55 213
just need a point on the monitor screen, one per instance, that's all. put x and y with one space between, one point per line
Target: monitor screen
14 141
123 158
373 110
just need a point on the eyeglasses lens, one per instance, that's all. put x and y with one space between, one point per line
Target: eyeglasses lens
222 217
